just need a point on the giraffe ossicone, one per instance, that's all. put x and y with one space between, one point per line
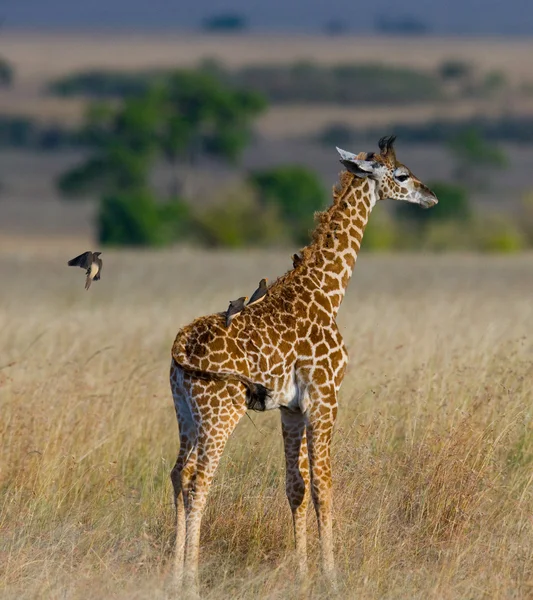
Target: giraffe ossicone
285 352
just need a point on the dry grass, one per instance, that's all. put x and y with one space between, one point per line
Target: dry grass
432 453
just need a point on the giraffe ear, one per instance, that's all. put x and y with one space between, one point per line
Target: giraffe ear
361 167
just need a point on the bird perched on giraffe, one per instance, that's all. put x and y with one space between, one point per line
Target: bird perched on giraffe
259 293
234 308
91 262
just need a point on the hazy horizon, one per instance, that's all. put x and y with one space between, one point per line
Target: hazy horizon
455 17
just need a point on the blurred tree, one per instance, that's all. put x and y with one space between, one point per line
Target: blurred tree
201 115
297 192
7 73
474 157
129 219
124 141
190 113
227 22
455 70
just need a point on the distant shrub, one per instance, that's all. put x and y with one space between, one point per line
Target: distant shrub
336 134
525 218
129 219
104 84
239 220
499 233
453 70
509 128
345 83
381 233
24 132
445 236
7 73
348 83
176 221
227 22
296 192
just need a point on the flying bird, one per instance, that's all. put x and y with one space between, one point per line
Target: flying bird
234 308
91 262
259 293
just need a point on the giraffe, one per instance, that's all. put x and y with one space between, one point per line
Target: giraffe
284 353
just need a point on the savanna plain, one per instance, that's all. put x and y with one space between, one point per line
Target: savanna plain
432 453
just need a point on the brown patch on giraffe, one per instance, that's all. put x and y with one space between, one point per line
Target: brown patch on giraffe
290 336
322 301
314 334
337 267
330 283
322 317
321 350
336 357
304 348
218 344
285 347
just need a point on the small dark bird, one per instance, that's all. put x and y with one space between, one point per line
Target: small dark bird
296 260
259 293
92 264
234 308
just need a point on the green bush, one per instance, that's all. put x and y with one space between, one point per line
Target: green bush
525 218
240 220
176 221
129 219
445 236
296 192
499 233
381 232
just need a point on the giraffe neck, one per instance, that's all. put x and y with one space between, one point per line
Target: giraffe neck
331 256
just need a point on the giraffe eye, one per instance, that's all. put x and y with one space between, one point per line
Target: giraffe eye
402 177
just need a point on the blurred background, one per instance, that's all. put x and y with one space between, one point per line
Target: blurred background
214 124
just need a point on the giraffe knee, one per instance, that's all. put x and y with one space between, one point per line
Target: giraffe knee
296 493
175 477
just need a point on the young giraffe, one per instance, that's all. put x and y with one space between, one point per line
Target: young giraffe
285 352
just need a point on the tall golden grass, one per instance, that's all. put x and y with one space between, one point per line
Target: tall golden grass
433 451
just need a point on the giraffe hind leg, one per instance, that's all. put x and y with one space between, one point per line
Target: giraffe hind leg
182 476
212 434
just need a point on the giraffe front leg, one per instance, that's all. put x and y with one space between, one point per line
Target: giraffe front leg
320 422
297 481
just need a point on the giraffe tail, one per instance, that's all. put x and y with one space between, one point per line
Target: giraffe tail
257 393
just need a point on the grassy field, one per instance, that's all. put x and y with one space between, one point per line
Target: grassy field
432 453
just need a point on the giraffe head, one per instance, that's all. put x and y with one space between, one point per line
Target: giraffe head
393 179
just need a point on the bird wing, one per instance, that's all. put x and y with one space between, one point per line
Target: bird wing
258 292
83 260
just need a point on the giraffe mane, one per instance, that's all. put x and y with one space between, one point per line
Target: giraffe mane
323 218
322 229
